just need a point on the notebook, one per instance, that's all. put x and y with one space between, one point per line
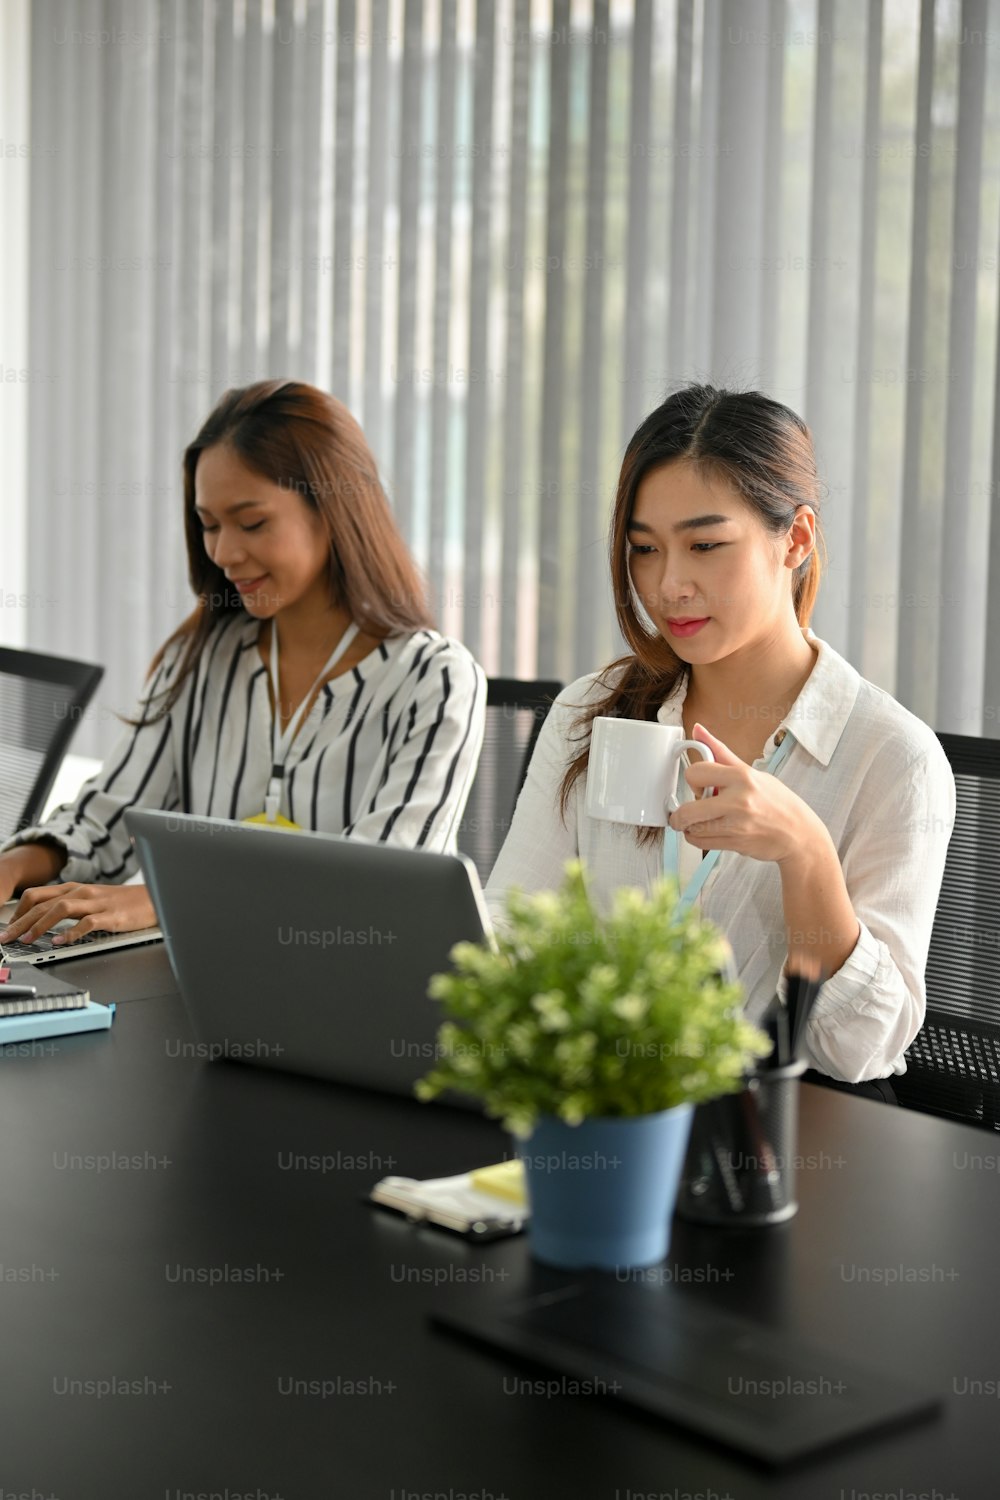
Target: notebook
58 1009
32 1028
483 1204
53 995
27 1005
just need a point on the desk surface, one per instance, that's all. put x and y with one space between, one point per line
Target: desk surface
116 976
192 1232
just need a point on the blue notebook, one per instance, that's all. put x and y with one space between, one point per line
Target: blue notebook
46 1023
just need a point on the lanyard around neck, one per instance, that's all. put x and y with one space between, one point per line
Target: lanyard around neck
672 842
281 739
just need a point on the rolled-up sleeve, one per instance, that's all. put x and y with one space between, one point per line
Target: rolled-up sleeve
869 1011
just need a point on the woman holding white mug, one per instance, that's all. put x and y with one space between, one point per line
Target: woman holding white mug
822 827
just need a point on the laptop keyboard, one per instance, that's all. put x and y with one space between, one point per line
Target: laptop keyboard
17 949
44 944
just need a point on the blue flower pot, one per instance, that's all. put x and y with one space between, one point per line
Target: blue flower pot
602 1192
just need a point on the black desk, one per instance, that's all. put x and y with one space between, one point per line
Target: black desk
92 1256
140 973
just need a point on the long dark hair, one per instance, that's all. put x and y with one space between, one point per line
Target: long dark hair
765 451
307 441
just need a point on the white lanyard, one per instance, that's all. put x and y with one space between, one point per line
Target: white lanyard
281 740
672 842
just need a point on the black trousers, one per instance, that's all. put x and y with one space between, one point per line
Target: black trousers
875 1088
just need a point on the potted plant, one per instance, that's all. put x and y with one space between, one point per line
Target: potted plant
592 1039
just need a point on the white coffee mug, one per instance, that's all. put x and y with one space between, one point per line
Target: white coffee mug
633 769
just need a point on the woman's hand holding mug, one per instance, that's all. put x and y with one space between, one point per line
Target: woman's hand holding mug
753 812
632 778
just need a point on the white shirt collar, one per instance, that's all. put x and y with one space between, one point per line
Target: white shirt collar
819 714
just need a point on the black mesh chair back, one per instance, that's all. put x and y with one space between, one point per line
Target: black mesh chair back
41 701
515 712
953 1064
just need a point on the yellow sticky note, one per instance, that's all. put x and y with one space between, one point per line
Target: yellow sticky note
504 1180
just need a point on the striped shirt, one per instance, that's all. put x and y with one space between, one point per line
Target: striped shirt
387 752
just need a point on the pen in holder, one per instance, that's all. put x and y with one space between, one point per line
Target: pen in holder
801 992
740 1164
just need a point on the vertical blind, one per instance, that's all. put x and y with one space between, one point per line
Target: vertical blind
15 602
501 231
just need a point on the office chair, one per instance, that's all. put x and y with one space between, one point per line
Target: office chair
515 712
42 699
953 1064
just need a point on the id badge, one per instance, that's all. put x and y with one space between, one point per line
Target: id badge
279 821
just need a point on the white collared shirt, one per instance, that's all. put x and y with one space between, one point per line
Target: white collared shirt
878 778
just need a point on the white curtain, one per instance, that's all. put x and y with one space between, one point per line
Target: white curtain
502 231
16 604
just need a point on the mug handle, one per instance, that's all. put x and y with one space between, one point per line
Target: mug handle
706 754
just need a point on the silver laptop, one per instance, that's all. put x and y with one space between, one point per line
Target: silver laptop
42 950
307 951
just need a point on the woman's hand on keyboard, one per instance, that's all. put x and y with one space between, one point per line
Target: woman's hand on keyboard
100 908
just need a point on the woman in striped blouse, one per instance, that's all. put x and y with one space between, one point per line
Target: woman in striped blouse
307 687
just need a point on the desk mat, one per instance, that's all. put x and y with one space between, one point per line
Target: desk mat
763 1391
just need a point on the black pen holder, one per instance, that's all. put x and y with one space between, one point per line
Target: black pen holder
740 1164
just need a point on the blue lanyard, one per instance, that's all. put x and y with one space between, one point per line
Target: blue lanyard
672 843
